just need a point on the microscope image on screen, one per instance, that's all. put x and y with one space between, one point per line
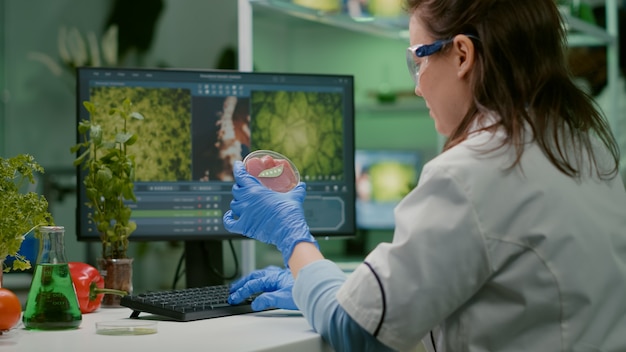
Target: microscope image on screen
306 127
162 151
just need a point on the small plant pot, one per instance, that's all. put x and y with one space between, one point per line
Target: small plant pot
118 275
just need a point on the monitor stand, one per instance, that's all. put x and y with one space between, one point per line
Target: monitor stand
203 263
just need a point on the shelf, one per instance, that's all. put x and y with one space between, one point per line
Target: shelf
395 28
581 33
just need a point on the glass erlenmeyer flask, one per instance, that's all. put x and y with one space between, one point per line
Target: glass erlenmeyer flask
51 302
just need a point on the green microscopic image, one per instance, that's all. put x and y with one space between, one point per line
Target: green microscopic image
391 180
306 127
163 148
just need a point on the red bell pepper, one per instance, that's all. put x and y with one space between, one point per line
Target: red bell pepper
89 286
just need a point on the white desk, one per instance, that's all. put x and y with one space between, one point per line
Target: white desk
277 330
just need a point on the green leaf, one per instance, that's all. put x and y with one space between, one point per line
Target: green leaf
81 158
91 108
104 175
95 134
126 104
132 139
75 148
123 137
137 116
84 126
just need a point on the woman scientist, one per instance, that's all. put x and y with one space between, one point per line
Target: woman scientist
514 238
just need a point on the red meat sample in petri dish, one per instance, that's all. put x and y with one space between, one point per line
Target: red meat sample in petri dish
274 170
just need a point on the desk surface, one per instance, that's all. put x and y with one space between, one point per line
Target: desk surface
277 330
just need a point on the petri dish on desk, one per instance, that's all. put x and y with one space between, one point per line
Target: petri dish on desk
126 327
274 170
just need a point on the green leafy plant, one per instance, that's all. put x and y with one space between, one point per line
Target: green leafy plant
110 174
20 212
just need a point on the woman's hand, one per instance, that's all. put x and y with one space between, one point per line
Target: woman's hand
273 285
268 216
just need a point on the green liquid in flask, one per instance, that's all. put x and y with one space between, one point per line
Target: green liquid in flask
52 302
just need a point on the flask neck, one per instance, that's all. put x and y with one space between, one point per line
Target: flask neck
51 245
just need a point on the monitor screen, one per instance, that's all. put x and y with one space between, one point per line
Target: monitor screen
383 178
198 122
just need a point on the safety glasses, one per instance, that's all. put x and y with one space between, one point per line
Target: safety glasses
422 50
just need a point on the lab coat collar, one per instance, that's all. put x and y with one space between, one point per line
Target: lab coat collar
484 121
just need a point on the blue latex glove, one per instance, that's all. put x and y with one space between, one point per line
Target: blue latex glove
274 285
271 217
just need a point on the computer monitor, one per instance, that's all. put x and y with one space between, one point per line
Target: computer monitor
198 122
383 178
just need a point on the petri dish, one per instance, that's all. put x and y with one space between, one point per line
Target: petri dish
274 170
126 327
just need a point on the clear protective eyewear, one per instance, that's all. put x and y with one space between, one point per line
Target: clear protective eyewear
422 50
425 50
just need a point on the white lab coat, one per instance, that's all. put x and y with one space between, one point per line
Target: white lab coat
517 260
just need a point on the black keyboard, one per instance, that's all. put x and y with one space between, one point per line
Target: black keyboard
186 304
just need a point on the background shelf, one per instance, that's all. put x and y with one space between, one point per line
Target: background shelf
581 33
393 27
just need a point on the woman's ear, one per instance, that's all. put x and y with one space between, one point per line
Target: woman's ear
463 49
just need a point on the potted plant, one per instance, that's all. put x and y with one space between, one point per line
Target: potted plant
20 211
110 168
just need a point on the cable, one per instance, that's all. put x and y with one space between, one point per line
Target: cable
234 275
180 271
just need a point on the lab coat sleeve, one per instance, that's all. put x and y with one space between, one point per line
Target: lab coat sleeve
314 293
436 262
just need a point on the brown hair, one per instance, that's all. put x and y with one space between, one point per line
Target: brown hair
522 75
